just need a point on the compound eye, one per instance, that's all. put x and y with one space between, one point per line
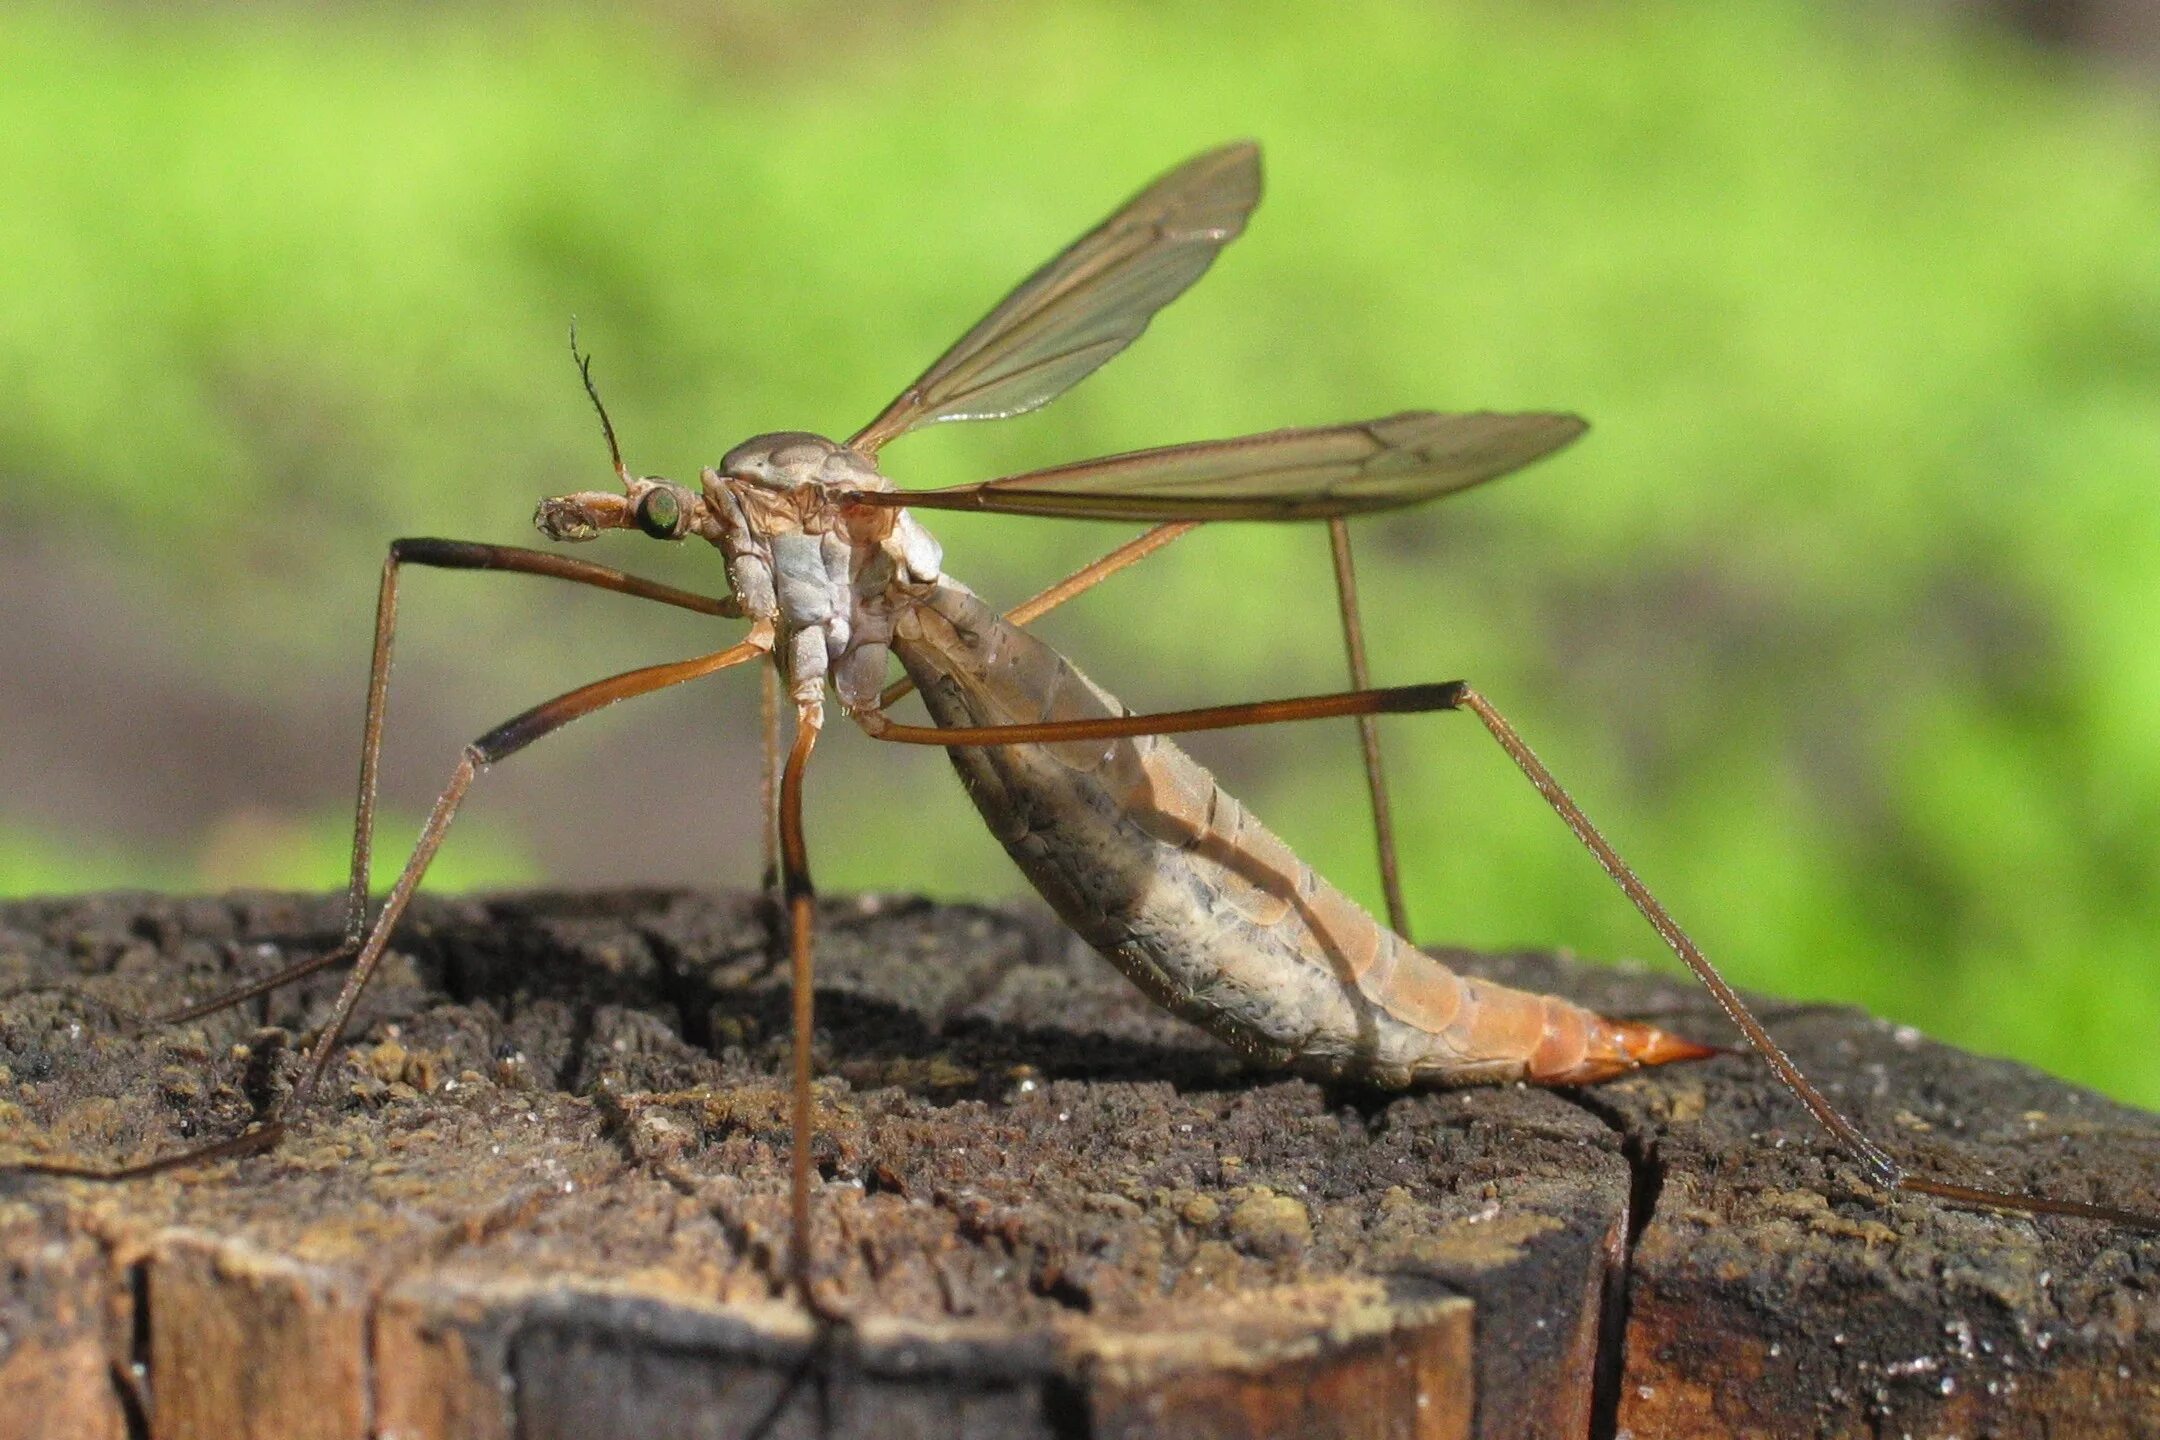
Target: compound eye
660 514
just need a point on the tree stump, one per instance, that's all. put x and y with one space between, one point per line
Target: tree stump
544 1194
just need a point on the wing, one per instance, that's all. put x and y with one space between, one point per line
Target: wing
1088 303
1282 475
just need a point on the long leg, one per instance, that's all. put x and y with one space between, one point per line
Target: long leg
769 762
772 758
801 898
1346 599
497 744
1458 695
1886 1171
442 555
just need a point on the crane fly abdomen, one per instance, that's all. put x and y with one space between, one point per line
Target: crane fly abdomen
1212 915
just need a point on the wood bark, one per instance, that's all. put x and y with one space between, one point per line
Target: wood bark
544 1195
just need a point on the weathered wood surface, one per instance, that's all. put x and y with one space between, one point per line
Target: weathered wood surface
546 1197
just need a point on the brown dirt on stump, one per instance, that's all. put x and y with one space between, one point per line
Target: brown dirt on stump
544 1194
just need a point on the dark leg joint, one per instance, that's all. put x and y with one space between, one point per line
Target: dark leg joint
798 887
443 554
1406 699
514 734
511 736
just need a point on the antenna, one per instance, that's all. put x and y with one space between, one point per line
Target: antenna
592 392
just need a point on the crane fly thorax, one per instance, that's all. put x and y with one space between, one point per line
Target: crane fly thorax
827 574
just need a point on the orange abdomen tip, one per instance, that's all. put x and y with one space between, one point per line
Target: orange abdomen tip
1618 1046
1648 1045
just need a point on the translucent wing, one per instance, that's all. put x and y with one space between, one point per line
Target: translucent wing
1088 303
1282 475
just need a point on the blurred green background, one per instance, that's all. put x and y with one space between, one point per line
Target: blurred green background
1842 620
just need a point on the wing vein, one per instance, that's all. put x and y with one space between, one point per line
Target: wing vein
1303 474
1086 303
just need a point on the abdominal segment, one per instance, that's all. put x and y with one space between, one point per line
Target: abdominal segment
1139 850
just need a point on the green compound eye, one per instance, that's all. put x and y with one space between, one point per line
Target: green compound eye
659 514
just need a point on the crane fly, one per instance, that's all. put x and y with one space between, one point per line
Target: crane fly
1131 841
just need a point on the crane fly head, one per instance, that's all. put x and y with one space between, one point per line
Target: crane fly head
660 508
